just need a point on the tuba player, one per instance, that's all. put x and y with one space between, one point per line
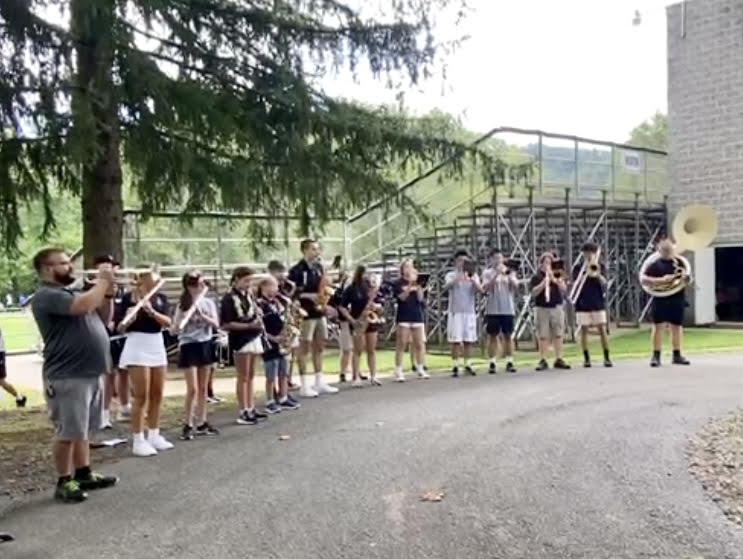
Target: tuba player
666 310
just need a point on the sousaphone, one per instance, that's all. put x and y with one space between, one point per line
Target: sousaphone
694 228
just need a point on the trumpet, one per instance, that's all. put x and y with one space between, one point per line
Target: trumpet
590 269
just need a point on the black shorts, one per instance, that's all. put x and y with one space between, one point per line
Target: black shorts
670 311
196 354
499 324
117 346
3 372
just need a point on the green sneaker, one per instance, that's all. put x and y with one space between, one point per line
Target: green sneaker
70 492
96 481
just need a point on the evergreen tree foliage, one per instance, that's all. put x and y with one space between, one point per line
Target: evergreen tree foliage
208 105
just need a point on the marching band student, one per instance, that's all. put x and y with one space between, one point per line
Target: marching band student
20 400
287 289
240 317
548 291
359 299
666 310
195 351
410 296
463 285
274 361
590 305
345 338
145 358
307 276
501 285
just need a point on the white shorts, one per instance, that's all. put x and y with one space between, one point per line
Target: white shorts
253 346
461 328
143 349
586 319
345 338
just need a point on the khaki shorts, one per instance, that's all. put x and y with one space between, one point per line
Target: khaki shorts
586 319
314 329
345 339
550 322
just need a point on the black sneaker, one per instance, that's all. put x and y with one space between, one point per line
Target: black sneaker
680 360
491 369
186 433
469 370
96 481
363 377
5 537
289 404
21 402
70 492
655 361
607 363
587 364
206 430
510 367
455 371
560 364
342 378
542 365
259 415
272 407
293 401
246 418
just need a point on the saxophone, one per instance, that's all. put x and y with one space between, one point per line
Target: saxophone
292 329
370 314
325 291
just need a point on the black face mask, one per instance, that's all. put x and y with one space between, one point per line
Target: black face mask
64 279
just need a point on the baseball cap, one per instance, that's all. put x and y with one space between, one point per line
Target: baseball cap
105 259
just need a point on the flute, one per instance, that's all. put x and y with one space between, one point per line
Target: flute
131 315
190 312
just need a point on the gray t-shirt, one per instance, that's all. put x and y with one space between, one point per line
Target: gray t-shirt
461 295
74 346
197 329
499 294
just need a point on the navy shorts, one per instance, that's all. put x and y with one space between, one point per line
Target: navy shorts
275 368
670 311
3 372
499 324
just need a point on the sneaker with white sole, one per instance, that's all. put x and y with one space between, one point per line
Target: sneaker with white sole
142 447
123 414
399 376
375 381
307 391
322 388
358 383
159 442
423 374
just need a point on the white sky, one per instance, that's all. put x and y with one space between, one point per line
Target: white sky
570 66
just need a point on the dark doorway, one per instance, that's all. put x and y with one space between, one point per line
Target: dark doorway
729 284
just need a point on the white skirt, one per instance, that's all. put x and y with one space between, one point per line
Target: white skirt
253 346
143 349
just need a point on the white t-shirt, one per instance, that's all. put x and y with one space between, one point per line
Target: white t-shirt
461 294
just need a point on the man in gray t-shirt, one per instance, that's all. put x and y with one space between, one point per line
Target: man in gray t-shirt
500 285
463 286
76 353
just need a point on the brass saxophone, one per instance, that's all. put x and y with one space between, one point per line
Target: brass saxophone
370 314
292 329
325 291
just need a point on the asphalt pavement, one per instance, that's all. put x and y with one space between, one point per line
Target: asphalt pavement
584 463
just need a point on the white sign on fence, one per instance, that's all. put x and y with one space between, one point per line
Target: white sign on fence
632 161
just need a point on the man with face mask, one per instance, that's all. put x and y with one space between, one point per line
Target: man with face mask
76 353
666 310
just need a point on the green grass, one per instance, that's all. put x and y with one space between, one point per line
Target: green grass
19 330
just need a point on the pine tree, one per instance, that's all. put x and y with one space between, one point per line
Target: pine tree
207 104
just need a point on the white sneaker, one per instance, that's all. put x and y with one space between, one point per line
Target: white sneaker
307 391
142 447
358 383
158 442
423 374
399 376
375 382
106 420
123 415
324 388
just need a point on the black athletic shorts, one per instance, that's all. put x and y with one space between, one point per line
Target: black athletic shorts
499 324
3 372
196 354
117 346
668 310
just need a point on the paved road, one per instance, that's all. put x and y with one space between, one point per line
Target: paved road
558 465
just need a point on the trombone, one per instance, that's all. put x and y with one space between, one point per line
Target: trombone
590 269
